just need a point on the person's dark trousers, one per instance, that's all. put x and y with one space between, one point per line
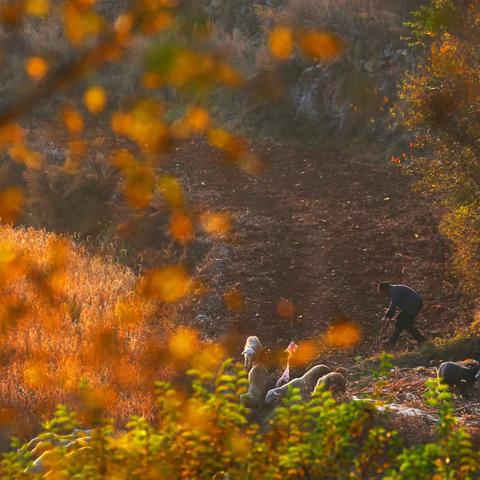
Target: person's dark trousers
406 322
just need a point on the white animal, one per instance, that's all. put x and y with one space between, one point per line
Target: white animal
257 385
333 381
251 350
305 383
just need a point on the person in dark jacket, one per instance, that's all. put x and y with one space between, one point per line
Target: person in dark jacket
409 302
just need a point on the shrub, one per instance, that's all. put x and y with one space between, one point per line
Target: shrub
441 103
209 434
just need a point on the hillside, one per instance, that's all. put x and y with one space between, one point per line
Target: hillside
320 228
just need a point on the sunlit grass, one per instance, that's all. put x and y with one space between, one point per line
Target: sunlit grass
69 319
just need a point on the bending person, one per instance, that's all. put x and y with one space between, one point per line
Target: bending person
409 302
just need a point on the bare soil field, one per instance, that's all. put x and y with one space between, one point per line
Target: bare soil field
321 229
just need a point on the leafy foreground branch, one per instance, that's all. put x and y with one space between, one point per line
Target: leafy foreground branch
210 434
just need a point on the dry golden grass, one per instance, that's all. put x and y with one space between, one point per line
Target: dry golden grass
70 319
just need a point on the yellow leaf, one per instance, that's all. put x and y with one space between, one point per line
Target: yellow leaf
37 8
140 182
11 203
172 191
168 284
321 45
219 138
280 42
95 99
36 67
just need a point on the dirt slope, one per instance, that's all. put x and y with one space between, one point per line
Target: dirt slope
320 229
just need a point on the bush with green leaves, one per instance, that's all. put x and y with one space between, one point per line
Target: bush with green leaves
207 433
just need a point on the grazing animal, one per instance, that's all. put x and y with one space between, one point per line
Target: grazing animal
252 349
305 383
455 375
342 370
257 385
333 381
43 461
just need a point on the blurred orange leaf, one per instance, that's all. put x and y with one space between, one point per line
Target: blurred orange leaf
11 134
181 227
36 67
172 190
81 22
286 308
306 352
184 343
11 203
21 154
123 160
168 284
153 80
343 334
234 299
95 99
73 120
139 185
37 8
197 119
216 224
321 45
280 42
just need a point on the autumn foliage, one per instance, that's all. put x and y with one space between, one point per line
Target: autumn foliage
441 106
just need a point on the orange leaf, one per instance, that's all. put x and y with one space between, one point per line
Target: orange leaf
37 8
11 134
95 99
184 343
343 334
168 284
321 45
286 308
181 227
280 42
234 299
216 224
36 67
73 120
11 203
21 154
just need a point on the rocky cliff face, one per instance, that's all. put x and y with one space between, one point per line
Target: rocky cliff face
349 96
